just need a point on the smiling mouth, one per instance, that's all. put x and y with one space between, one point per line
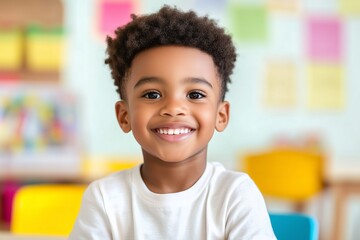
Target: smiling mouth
173 131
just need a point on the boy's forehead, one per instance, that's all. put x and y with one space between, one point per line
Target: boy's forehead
171 56
173 61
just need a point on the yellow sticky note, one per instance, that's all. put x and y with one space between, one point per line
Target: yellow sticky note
280 84
283 5
350 7
326 86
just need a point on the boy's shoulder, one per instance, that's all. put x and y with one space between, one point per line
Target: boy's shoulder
223 174
231 181
119 180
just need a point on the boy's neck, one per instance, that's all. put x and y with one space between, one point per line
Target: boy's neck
166 177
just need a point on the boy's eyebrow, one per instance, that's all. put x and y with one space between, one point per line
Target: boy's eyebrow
198 80
145 80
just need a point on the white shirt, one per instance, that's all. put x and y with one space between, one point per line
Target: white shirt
222 204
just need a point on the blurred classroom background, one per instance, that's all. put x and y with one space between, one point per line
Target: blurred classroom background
294 95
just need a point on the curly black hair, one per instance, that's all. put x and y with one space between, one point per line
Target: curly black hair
169 26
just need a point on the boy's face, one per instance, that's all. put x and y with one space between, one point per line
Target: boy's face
173 103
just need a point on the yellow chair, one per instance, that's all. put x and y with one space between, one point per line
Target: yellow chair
286 173
48 209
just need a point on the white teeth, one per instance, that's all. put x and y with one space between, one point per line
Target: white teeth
176 131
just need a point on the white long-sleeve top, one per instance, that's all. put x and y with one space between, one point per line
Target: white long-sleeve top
222 204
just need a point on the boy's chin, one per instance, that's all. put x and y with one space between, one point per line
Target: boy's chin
176 157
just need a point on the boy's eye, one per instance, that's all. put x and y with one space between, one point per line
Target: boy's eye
196 95
152 95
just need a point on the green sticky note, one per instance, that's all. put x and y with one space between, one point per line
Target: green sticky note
248 23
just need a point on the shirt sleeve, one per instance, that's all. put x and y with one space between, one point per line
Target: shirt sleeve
92 221
248 217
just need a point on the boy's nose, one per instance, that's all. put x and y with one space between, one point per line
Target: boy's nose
173 107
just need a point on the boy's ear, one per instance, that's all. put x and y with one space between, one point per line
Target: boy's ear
122 115
223 115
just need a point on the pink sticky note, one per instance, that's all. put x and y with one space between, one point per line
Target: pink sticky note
114 14
325 39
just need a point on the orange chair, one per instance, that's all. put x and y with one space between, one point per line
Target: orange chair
290 174
48 209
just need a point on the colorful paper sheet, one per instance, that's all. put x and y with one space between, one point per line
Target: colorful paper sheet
325 39
248 23
326 86
283 5
350 7
114 14
280 84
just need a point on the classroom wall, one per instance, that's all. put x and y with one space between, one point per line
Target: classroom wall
254 123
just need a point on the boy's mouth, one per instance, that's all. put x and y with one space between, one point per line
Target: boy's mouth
173 131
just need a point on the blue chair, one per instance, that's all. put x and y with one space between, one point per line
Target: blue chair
294 226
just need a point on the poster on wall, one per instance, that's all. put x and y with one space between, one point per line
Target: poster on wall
38 131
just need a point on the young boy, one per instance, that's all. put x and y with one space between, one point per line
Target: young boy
171 69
